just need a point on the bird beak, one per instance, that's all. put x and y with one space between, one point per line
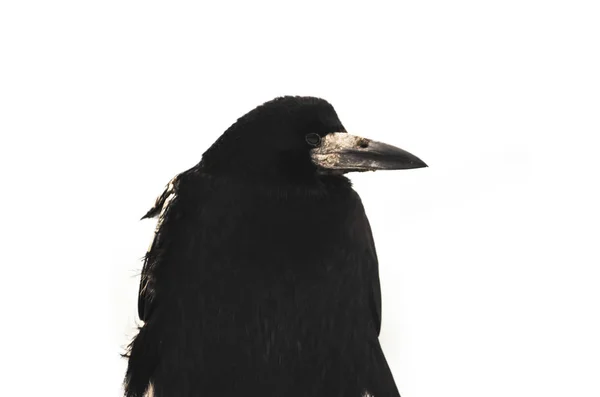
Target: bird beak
343 152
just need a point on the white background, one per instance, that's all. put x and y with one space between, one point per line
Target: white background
489 258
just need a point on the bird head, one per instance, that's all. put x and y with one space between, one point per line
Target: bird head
298 139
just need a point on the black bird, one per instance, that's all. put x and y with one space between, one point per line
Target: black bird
262 277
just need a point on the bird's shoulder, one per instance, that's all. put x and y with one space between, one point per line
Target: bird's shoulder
187 183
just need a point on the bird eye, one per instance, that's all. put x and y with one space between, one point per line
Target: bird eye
313 139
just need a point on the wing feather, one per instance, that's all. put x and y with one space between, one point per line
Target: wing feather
161 208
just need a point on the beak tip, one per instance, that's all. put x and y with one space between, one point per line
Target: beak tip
418 163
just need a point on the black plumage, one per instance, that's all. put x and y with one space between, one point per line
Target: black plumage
262 278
